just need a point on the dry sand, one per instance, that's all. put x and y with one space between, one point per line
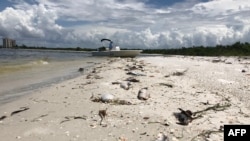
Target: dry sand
65 111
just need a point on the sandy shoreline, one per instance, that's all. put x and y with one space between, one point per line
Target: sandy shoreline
219 87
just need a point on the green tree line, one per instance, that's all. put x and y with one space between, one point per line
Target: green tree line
236 49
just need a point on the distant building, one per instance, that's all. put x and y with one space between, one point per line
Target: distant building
9 43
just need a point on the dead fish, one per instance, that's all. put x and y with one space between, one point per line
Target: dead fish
184 117
143 94
125 85
107 97
162 137
132 79
121 102
135 73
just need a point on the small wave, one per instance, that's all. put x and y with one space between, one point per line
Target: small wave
40 62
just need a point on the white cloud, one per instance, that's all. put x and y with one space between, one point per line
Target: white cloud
130 23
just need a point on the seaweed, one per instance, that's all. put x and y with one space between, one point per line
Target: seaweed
22 109
114 101
68 118
216 107
206 134
2 118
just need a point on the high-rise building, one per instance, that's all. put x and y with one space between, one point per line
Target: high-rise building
9 43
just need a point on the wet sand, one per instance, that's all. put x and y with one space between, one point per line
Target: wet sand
215 89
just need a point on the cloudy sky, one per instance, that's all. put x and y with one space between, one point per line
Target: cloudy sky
129 23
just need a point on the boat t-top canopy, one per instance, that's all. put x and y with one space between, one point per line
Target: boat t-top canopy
106 40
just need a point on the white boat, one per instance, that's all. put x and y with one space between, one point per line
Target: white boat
115 51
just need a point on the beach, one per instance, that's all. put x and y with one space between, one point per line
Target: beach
103 104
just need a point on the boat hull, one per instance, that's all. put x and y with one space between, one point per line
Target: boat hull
121 53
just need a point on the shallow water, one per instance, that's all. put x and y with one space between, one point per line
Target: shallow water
23 71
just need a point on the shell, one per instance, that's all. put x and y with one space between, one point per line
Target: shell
107 97
143 94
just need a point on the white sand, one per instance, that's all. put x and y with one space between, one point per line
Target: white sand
57 113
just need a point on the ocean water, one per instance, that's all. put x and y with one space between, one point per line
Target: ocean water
23 71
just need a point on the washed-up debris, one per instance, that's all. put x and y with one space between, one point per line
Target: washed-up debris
39 118
216 107
134 67
122 139
114 101
204 103
144 133
162 137
90 76
81 69
217 60
131 67
185 117
179 73
132 79
143 94
94 70
125 85
168 75
97 77
102 114
108 98
227 62
68 118
167 84
162 123
120 102
2 118
116 82
22 109
135 73
206 134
